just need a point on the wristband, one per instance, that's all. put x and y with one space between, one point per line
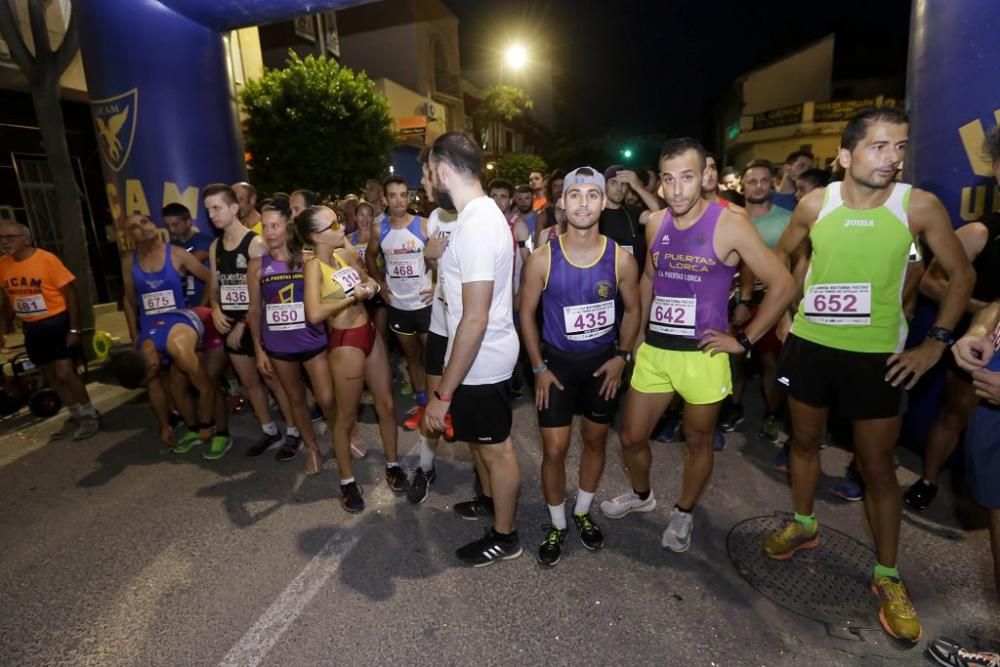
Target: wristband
742 339
940 334
444 399
541 369
75 331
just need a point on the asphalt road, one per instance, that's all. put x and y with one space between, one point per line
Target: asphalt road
116 552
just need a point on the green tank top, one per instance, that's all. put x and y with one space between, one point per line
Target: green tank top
852 297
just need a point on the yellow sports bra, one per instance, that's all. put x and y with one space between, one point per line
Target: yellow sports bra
339 283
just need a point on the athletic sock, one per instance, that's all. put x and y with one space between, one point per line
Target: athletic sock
426 453
685 510
808 522
883 571
504 537
345 482
87 410
422 399
583 501
270 428
557 513
643 495
74 411
394 464
292 431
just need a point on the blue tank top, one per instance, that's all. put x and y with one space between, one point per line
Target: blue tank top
578 302
285 328
156 328
157 291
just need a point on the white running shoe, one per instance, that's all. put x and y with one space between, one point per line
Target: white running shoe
677 536
628 502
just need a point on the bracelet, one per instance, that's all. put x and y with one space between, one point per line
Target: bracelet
742 339
444 399
541 369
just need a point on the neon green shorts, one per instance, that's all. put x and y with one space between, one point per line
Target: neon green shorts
698 377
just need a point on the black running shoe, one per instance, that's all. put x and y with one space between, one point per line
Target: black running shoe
920 496
730 417
550 551
396 479
350 497
590 534
481 506
420 485
265 443
489 549
290 448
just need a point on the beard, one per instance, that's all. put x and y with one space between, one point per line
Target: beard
444 199
759 200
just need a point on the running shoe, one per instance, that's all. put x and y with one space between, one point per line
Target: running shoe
351 497
550 550
677 536
719 442
731 417
668 429
69 427
88 427
771 428
781 463
412 422
590 535
627 503
948 653
289 449
920 496
896 612
406 389
420 485
851 487
217 447
471 510
395 478
265 443
782 544
187 442
489 549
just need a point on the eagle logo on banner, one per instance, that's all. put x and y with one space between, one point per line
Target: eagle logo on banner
115 120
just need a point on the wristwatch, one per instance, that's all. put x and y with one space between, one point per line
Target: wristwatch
940 334
624 354
742 339
75 331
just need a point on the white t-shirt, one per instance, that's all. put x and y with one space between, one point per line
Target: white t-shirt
440 220
480 249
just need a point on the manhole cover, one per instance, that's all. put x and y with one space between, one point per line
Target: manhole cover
828 584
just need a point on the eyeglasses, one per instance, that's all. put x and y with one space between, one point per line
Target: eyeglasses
335 225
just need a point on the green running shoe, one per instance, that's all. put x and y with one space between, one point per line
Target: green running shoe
187 442
771 428
217 447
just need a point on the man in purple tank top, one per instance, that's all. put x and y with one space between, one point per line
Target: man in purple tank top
579 359
694 249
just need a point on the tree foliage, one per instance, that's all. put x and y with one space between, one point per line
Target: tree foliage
316 125
501 103
516 167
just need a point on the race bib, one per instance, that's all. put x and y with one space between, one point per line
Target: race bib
27 306
158 302
403 268
591 320
673 315
235 297
285 316
347 279
842 304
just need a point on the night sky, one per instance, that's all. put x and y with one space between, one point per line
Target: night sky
659 66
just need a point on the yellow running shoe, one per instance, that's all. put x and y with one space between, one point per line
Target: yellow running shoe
896 612
782 544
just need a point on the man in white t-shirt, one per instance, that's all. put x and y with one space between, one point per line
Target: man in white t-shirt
475 273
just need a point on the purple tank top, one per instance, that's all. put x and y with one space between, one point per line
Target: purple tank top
691 285
578 303
285 328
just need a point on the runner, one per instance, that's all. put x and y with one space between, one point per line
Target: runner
846 341
622 223
439 229
284 342
482 346
694 248
502 194
378 309
399 243
795 164
230 256
300 200
981 242
183 234
577 280
547 215
375 195
41 292
168 362
523 199
247 196
809 180
536 181
335 287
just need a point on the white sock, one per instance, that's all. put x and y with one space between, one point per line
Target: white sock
426 453
558 515
583 502
74 411
292 431
270 428
394 464
345 482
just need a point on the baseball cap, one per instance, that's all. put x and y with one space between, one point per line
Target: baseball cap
576 178
612 171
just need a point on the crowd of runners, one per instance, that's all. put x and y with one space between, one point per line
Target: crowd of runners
640 299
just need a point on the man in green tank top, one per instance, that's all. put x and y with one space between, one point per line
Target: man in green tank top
847 336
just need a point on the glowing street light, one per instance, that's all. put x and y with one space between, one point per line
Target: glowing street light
516 56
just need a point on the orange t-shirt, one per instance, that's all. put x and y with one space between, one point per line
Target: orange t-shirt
538 203
34 286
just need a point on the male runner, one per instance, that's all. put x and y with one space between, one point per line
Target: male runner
847 337
41 292
247 197
183 234
621 223
502 194
404 277
694 248
168 360
300 200
536 181
482 346
375 195
577 279
230 255
809 180
796 163
523 199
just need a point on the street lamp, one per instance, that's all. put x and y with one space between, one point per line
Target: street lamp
516 56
